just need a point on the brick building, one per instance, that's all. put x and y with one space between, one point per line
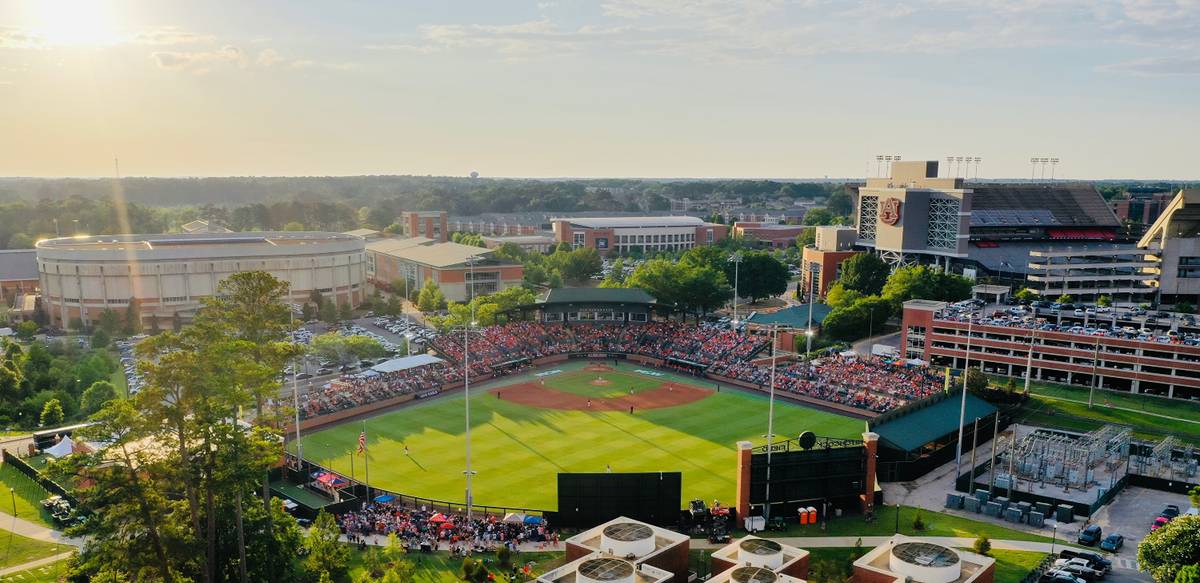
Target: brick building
622 235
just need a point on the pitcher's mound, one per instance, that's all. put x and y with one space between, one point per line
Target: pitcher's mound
600 382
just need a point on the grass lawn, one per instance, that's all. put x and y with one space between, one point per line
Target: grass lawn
23 549
1076 416
936 524
1011 566
29 495
48 573
518 450
441 567
580 382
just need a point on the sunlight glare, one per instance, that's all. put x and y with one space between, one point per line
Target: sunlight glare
75 22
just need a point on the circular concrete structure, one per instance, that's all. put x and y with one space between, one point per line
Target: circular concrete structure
627 539
753 575
605 570
167 275
925 562
760 552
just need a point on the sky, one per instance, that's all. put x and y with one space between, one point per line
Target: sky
602 88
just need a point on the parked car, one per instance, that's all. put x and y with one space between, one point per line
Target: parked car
1112 543
1170 511
1096 560
1055 576
1078 567
1090 535
1159 522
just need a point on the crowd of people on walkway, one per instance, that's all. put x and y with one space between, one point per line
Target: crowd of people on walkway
426 529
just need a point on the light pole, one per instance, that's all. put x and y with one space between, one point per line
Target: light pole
962 411
771 421
12 492
467 377
808 331
1053 533
1029 358
736 259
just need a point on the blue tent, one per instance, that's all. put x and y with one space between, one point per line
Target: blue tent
533 520
385 498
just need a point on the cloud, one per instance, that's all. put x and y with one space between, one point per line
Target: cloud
12 37
269 57
170 35
199 62
1168 66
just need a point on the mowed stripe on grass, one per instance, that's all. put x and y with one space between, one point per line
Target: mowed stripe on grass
518 451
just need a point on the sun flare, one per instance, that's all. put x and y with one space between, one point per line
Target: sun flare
75 22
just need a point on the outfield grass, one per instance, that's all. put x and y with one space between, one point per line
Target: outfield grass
441 567
28 496
518 450
580 382
936 524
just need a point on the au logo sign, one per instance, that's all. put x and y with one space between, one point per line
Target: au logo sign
889 211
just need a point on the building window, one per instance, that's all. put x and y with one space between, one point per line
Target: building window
1189 268
578 240
943 223
868 211
709 235
602 243
637 317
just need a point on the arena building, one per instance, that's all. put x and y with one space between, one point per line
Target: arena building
18 274
773 235
822 261
623 235
165 276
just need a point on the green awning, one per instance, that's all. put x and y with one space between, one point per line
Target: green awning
911 431
795 316
598 295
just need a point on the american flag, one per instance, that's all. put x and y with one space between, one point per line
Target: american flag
362 442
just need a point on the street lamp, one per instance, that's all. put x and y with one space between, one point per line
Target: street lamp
962 412
1053 534
736 260
12 492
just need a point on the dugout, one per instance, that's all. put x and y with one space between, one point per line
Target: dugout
588 304
918 437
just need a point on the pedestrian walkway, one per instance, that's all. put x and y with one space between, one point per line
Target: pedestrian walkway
35 531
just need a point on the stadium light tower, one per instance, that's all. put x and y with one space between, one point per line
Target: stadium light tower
962 411
771 419
736 260
467 378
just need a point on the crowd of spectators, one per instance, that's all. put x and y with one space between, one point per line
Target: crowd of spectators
418 528
863 382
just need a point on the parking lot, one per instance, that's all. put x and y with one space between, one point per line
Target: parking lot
1130 514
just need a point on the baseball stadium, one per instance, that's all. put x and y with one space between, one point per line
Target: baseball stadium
585 382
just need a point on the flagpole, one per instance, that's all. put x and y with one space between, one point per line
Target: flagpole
366 462
352 467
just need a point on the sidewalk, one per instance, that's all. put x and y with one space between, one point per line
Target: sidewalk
35 531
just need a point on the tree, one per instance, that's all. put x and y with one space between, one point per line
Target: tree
807 237
759 276
96 396
1165 552
577 266
100 339
346 349
976 380
818 216
840 202
1105 301
473 571
307 312
1184 308
294 226
690 288
921 282
839 297
52 413
1026 295
1065 299
345 311
982 545
1188 574
430 299
1194 496
326 555
865 273
846 323
25 330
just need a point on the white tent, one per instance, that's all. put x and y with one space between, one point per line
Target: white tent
514 518
63 448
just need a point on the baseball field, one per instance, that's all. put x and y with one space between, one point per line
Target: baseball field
573 417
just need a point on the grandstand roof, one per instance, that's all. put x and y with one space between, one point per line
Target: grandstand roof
405 363
1039 205
584 295
915 425
630 222
795 316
